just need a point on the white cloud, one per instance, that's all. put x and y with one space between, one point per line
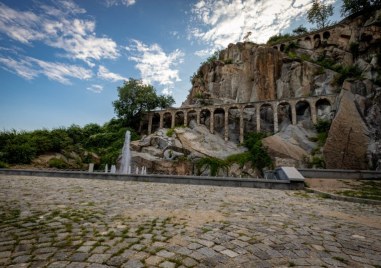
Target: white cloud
22 68
56 25
120 2
155 65
218 23
95 88
104 73
204 52
30 68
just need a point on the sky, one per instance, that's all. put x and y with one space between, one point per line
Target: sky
62 61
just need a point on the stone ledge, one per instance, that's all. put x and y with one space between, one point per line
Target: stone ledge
345 198
173 179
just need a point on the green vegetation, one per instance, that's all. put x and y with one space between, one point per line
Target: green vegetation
319 14
366 189
136 98
213 163
256 154
279 38
170 132
105 141
352 6
322 127
300 30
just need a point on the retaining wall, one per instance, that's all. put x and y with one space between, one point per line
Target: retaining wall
340 174
194 180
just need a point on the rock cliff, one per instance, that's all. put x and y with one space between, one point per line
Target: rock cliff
344 59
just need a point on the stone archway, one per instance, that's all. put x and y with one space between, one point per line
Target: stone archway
317 40
303 111
192 116
155 122
234 117
284 115
323 109
205 117
249 114
179 118
167 120
219 121
267 118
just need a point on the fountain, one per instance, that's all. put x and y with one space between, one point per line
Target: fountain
126 155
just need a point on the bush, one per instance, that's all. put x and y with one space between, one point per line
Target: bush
241 159
279 38
322 126
170 132
213 163
3 165
258 155
57 163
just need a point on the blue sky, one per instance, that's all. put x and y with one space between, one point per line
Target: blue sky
61 61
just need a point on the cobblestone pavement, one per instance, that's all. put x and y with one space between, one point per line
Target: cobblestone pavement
62 222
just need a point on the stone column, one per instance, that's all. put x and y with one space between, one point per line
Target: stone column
211 121
226 128
313 112
150 115
161 120
258 116
198 117
293 113
173 119
275 112
241 126
185 118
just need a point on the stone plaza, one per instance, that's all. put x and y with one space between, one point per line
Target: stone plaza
67 222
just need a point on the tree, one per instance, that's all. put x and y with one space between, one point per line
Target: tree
136 98
319 14
300 30
352 6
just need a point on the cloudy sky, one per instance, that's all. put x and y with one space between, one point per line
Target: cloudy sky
61 61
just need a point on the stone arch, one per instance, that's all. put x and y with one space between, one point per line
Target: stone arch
284 114
266 113
303 111
323 109
155 122
307 42
179 118
326 35
219 121
192 115
282 47
234 117
167 120
250 115
317 40
205 117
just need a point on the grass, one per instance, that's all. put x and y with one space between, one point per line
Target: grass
367 190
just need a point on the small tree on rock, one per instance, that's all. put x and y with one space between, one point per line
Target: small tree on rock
319 14
352 6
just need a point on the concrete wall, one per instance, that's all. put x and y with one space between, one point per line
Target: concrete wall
340 174
195 180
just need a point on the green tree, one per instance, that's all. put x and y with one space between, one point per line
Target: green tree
352 6
136 98
319 14
300 30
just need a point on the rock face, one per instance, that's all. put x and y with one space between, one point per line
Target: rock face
176 154
345 59
348 134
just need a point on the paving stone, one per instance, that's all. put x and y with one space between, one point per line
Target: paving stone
193 246
133 264
58 264
189 262
79 257
229 253
167 264
140 256
154 260
99 258
165 254
22 259
85 249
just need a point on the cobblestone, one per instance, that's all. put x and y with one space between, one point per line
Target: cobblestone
94 223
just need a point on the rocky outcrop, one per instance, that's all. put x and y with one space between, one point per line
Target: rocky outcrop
177 154
348 139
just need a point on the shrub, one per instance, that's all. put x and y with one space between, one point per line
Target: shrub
3 165
279 38
322 126
241 159
57 163
170 132
213 163
258 155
